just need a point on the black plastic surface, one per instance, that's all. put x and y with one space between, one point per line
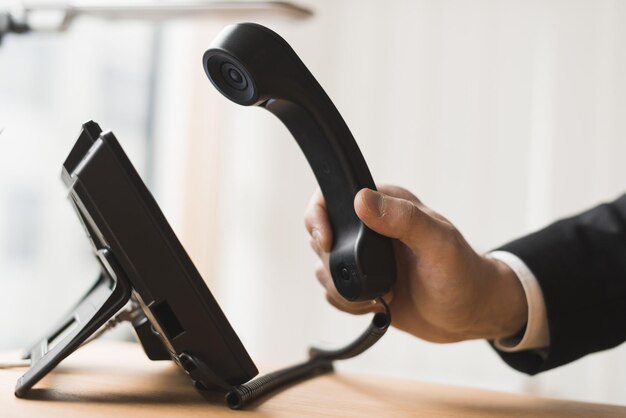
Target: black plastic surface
125 218
123 221
108 295
252 65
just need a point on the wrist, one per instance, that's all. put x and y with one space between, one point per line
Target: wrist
505 310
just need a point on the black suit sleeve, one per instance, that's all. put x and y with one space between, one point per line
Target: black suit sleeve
580 263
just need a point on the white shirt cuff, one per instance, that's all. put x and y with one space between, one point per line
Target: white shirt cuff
537 334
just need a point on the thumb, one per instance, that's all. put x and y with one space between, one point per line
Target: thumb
394 217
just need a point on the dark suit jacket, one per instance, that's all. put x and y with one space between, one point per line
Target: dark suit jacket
580 263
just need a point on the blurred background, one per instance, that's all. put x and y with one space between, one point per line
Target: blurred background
501 115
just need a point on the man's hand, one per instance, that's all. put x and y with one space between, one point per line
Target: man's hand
445 291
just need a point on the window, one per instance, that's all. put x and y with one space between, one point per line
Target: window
50 84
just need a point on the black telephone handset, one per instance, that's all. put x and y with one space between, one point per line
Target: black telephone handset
252 65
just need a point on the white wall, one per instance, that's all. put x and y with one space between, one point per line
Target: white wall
502 115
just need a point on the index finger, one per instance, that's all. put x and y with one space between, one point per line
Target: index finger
317 223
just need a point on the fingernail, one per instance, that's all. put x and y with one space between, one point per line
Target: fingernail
374 202
317 237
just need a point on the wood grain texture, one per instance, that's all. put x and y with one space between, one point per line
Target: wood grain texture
109 379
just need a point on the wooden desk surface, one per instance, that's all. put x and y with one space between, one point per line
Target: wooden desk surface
107 379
